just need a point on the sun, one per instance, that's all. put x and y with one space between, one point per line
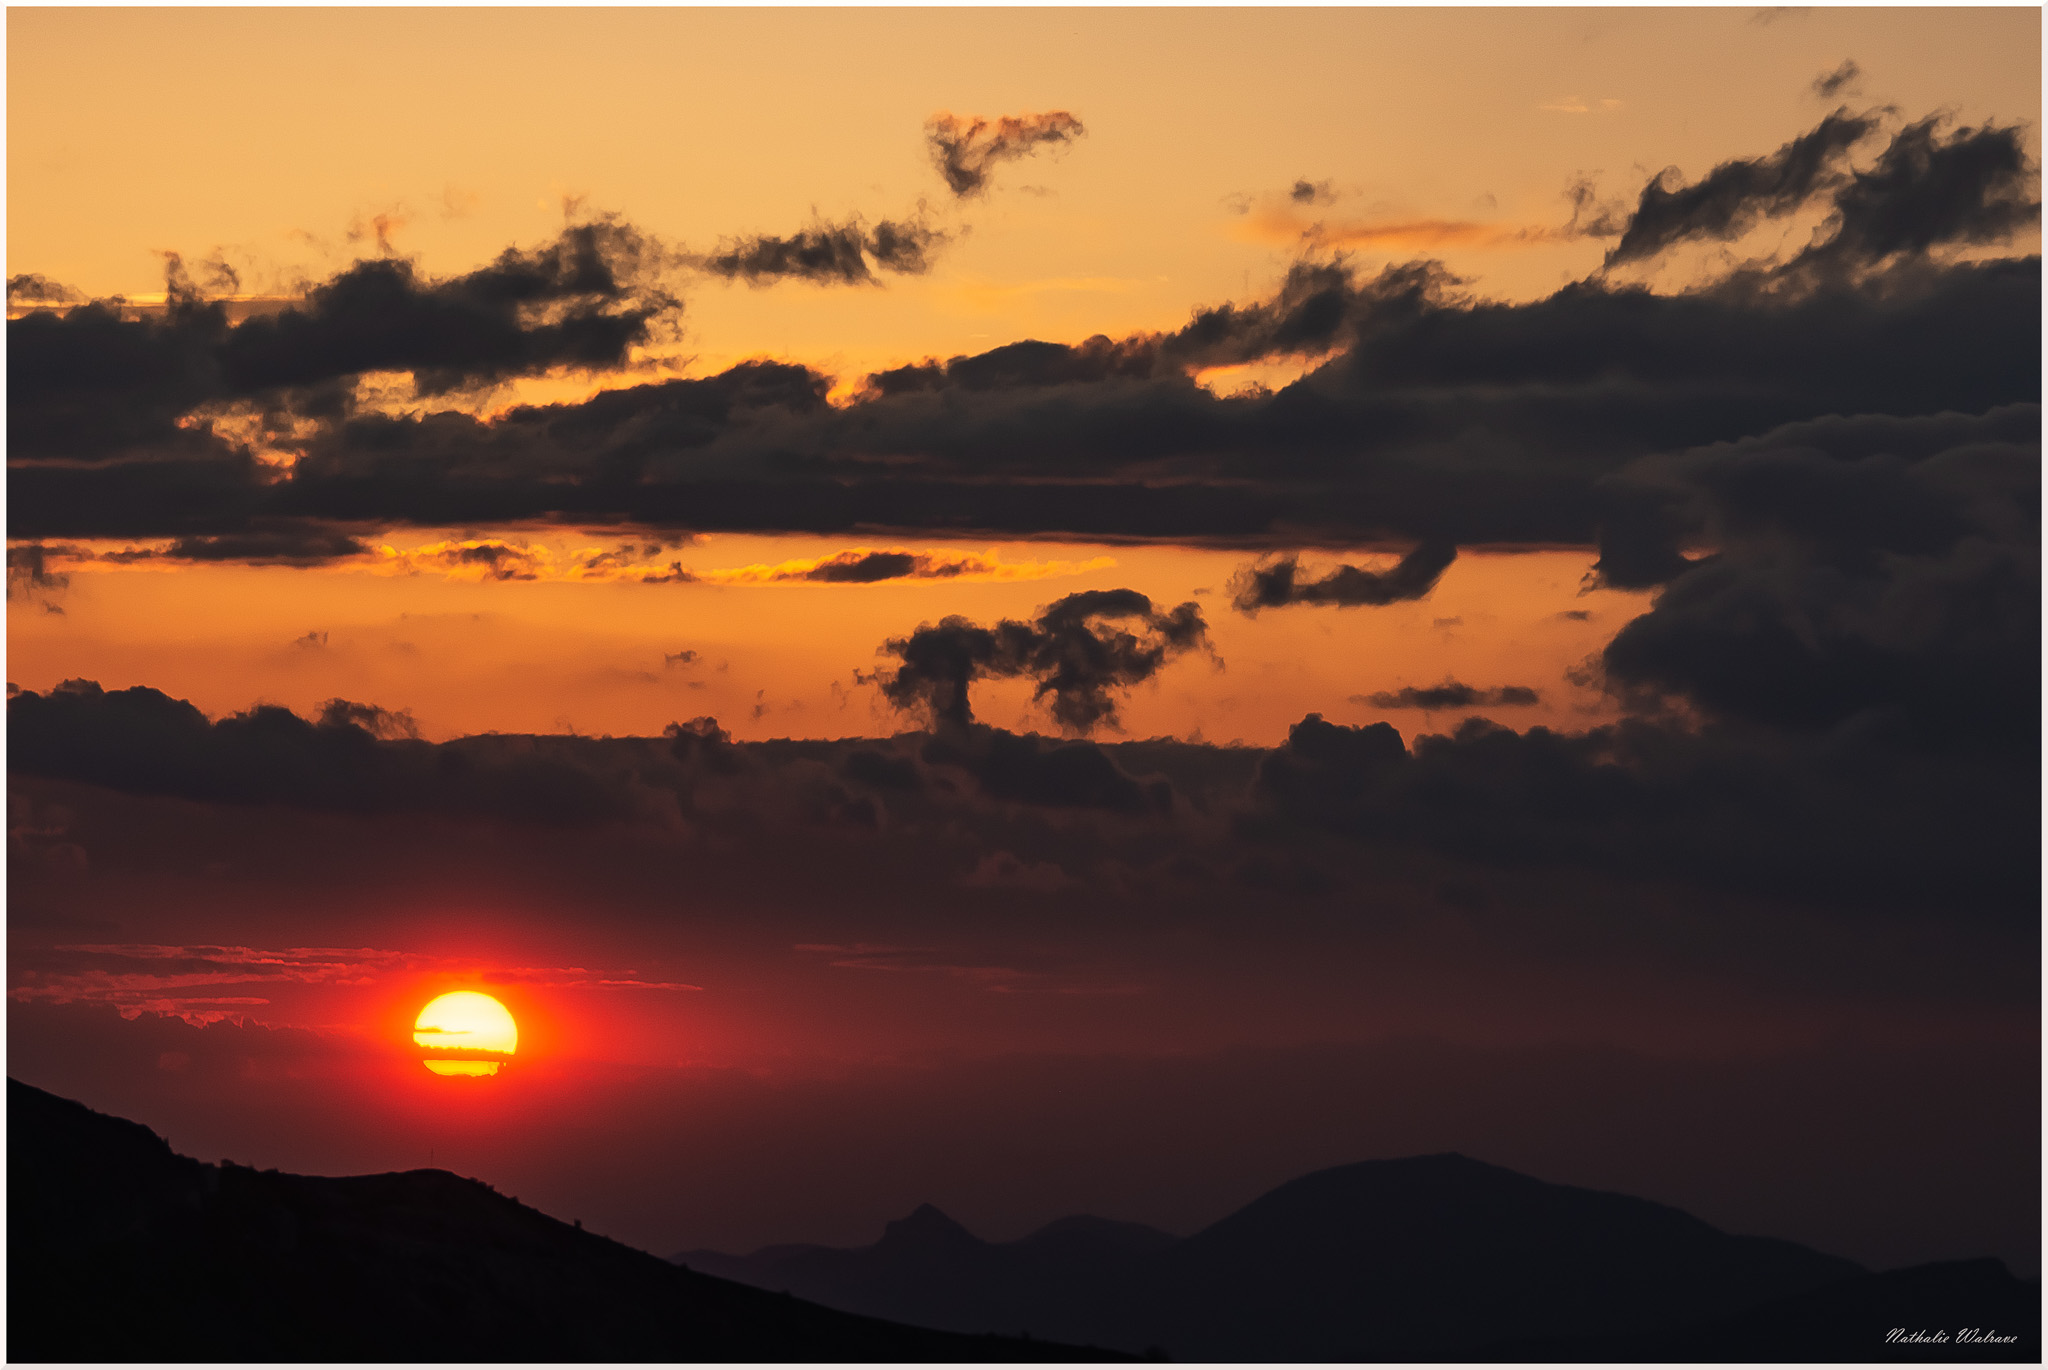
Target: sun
466 1033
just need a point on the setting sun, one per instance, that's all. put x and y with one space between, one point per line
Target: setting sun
468 1034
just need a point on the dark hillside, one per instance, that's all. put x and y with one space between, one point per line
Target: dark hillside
121 1250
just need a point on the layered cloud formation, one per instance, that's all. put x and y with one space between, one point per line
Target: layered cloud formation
1829 463
1433 416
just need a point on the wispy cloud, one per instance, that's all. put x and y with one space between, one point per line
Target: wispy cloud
194 982
1579 104
868 565
481 559
1286 223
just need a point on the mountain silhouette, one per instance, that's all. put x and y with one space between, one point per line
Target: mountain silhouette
1422 1258
121 1250
930 1271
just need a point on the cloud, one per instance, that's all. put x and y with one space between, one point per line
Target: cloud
281 544
1305 317
31 570
1873 568
1307 192
1734 196
581 300
1592 217
1845 823
1854 817
1434 416
1286 224
966 150
883 771
354 759
1277 583
1032 770
1971 187
1451 694
1425 414
496 559
1578 104
1928 189
869 565
191 982
830 254
29 290
92 382
1076 651
1841 81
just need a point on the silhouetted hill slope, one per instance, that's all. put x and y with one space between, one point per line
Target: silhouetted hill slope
119 1249
1978 1311
1382 1260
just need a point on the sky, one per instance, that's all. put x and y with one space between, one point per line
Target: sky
1038 610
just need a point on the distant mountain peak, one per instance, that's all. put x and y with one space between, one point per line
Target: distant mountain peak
1404 1258
925 1228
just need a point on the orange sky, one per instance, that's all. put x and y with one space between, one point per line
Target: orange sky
700 124
779 660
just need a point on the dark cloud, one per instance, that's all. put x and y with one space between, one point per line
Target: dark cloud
29 289
1857 819
863 568
701 742
1734 196
1928 190
830 254
1278 583
1842 80
1451 694
1035 770
966 150
384 724
1306 316
581 300
1872 568
1592 216
883 771
1307 192
277 544
29 570
1850 822
1077 651
215 277
1435 417
94 382
355 758
360 759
